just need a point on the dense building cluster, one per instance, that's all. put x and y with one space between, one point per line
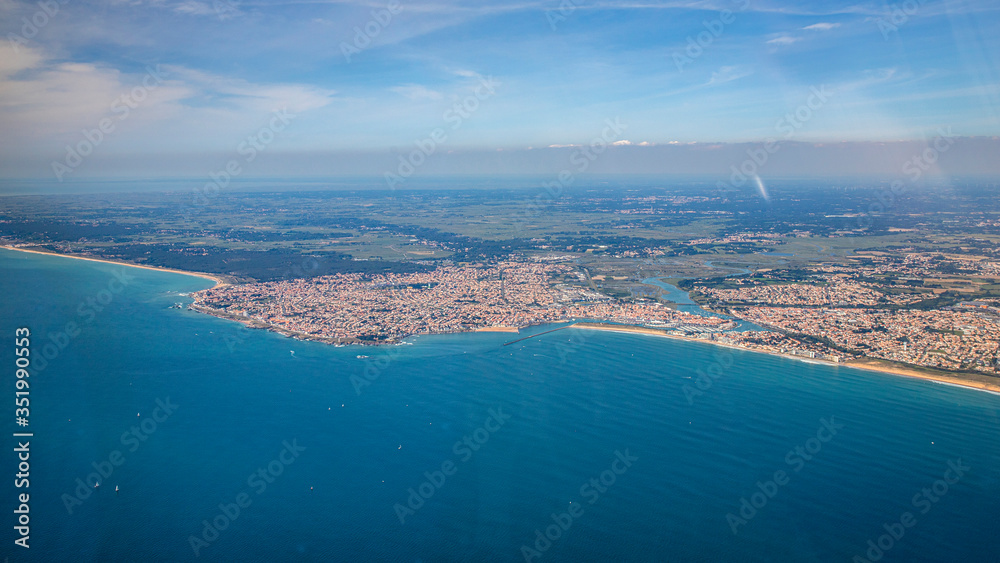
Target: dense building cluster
949 339
910 265
780 343
352 308
842 293
755 237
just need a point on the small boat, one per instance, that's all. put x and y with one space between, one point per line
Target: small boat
98 484
116 489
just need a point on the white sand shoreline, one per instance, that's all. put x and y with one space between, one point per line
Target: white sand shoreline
219 282
629 329
888 370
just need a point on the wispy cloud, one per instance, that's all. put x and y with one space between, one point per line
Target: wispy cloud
822 26
195 8
417 92
45 98
728 74
790 38
783 40
609 58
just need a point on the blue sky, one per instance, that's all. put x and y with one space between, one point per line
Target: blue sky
560 70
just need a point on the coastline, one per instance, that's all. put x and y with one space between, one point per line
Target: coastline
870 364
873 365
867 364
219 282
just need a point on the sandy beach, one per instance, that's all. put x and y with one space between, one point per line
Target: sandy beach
970 381
867 364
219 282
957 379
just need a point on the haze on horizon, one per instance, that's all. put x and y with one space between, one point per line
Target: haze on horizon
181 88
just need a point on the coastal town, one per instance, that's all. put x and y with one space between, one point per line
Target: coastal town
838 320
350 308
948 339
801 280
886 307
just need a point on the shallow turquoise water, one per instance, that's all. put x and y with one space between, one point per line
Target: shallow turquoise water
573 398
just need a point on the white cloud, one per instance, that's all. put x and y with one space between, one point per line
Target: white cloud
13 60
194 8
237 94
223 9
40 98
46 103
727 74
783 40
416 92
822 26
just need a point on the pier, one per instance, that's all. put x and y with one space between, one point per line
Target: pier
534 335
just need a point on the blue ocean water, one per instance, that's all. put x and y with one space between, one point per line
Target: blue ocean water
340 440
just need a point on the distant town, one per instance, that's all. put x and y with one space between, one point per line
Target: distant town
838 321
811 272
348 308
